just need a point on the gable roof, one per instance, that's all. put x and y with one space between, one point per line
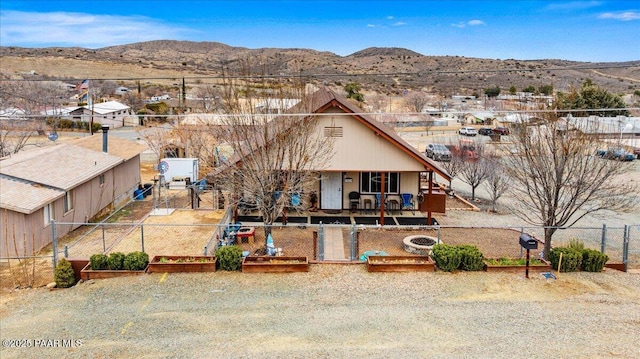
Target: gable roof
107 107
25 197
326 98
60 166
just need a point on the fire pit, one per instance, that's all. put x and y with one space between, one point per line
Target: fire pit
419 244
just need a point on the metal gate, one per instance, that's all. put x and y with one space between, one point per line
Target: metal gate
632 245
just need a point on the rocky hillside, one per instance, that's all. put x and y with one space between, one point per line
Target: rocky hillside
383 70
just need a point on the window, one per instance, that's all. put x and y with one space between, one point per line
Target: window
370 182
68 202
48 214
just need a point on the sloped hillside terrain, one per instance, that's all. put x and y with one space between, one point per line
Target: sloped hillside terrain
384 70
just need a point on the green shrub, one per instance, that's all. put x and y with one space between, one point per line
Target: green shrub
97 127
136 261
593 261
448 258
64 275
571 259
229 257
99 262
472 259
116 261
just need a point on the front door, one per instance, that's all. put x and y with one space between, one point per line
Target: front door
331 189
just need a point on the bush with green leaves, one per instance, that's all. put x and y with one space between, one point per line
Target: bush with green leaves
64 275
99 262
593 260
571 259
136 261
448 258
229 257
116 261
472 259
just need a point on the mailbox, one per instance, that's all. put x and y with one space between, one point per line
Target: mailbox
527 242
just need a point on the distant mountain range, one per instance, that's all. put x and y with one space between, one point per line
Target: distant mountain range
384 70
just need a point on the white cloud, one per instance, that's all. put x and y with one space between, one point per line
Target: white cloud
621 15
371 25
468 23
475 22
389 17
399 23
41 29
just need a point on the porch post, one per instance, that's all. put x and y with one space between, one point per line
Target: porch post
429 193
382 186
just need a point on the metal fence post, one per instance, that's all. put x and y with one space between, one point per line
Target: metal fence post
625 248
142 236
352 243
54 245
603 245
320 242
104 245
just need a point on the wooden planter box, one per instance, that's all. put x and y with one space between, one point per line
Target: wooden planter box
87 273
275 264
400 264
537 268
174 264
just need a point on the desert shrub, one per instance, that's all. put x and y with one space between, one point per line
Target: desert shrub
229 257
116 261
64 276
96 127
448 258
593 261
571 259
472 259
99 262
136 261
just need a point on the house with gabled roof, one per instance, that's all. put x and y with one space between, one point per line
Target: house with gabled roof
69 182
369 158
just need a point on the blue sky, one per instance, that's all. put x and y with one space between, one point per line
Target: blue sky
570 30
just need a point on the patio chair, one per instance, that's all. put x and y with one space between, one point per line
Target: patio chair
386 198
354 200
408 202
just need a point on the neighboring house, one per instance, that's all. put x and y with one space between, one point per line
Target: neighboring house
111 113
479 117
70 182
364 149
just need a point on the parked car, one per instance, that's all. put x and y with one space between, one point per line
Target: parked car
465 149
501 131
468 131
484 131
438 152
616 153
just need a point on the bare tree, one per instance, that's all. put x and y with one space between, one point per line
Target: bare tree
454 166
474 170
497 183
276 157
556 178
209 97
415 101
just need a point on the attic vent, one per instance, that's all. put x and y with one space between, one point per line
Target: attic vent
333 132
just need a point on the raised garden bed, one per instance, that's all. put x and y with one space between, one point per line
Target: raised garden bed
516 265
400 264
189 264
274 264
87 273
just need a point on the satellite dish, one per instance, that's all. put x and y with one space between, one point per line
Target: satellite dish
53 136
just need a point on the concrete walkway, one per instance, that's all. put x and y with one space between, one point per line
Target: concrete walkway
333 244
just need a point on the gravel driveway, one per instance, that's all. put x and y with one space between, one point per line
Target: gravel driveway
334 311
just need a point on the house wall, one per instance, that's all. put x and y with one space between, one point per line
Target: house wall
88 200
361 149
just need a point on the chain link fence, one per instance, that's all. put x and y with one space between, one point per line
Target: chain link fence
318 242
